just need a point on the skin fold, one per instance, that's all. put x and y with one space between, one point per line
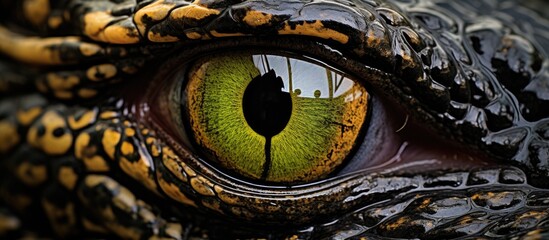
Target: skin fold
93 141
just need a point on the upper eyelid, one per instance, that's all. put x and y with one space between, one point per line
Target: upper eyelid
349 33
376 50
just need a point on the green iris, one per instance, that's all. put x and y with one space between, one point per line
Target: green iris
273 118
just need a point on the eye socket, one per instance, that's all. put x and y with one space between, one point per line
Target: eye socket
386 140
270 117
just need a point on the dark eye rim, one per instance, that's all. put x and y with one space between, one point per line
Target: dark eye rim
318 51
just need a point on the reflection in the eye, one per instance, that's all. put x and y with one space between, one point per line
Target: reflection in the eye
310 81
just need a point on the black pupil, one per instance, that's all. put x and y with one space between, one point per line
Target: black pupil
267 110
266 107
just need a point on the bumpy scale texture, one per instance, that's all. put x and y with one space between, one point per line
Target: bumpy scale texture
75 162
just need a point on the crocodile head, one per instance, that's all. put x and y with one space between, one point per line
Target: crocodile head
452 136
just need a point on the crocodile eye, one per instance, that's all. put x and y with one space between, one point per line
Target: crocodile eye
268 117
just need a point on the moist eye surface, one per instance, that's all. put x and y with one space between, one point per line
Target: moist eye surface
273 118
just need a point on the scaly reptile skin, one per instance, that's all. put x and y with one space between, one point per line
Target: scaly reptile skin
78 160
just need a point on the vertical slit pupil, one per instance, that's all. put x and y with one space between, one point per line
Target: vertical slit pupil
267 110
266 107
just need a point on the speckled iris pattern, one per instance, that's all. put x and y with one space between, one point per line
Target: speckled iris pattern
75 161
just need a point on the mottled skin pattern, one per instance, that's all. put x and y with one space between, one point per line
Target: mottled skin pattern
76 159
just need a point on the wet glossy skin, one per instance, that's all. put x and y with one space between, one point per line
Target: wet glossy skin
85 143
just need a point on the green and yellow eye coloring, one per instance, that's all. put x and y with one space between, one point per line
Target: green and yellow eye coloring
273 118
